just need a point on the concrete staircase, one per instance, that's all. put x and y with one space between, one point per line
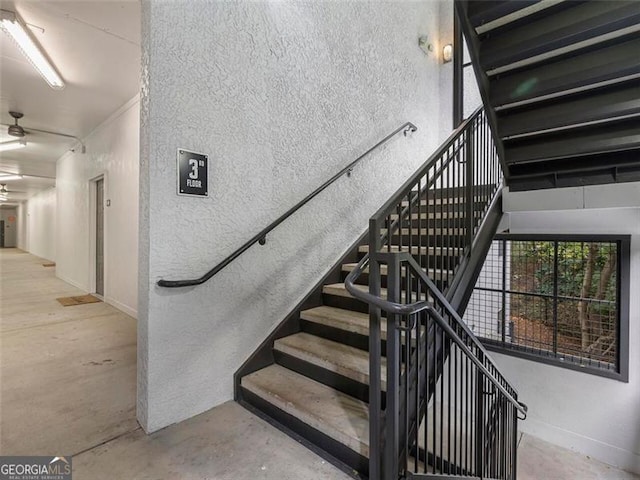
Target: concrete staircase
314 383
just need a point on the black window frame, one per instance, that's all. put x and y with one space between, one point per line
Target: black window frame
621 373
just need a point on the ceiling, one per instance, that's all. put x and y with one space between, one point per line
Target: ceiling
95 45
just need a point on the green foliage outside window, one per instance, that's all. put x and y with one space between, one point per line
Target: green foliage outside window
585 323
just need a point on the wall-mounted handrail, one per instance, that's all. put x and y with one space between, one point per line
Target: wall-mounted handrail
261 236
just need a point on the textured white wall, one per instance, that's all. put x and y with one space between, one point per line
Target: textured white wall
38 215
281 96
593 415
112 151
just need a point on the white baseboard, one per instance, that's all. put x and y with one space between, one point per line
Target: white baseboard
71 282
132 312
609 454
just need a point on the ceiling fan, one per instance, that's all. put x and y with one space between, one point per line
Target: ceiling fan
5 191
16 130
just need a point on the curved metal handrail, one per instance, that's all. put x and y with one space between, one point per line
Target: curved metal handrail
413 308
261 237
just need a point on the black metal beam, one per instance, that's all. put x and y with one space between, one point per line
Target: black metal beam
609 63
571 27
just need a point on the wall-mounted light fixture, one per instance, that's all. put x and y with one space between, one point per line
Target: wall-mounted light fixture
15 27
13 145
447 53
423 43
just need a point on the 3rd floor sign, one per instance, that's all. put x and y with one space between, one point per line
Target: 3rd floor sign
193 173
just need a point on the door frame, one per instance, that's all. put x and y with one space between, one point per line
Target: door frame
93 220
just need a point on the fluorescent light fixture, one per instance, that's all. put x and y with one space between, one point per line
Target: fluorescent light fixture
6 178
13 145
24 39
447 53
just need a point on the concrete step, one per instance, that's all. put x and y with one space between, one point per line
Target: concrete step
433 273
335 357
437 215
340 290
440 251
458 200
335 414
339 318
427 231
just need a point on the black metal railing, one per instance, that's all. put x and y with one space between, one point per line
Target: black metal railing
449 412
262 235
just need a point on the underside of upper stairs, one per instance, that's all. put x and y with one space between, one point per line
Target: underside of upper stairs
560 81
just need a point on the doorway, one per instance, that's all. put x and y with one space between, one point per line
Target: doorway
1 233
100 236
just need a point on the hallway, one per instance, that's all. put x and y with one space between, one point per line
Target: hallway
68 374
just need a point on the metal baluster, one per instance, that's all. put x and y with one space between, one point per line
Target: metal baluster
472 423
485 160
410 222
455 411
470 197
441 369
427 355
407 380
407 362
435 393
392 440
449 382
450 199
453 222
480 424
418 323
375 355
504 448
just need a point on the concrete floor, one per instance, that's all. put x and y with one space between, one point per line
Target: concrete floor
67 387
229 443
225 443
539 460
67 374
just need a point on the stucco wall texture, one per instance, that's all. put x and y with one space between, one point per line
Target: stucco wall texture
280 96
